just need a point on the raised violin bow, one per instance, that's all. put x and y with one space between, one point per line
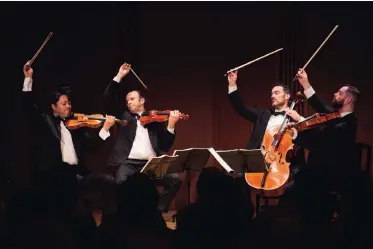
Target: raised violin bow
138 77
322 44
250 62
39 50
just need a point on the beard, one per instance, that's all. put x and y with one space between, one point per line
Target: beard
337 104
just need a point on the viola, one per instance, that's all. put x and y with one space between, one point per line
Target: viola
315 121
79 120
158 116
276 147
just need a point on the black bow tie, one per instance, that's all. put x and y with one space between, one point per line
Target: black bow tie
135 115
278 113
58 119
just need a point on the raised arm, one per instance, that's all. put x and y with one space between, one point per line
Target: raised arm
112 103
31 111
316 103
239 106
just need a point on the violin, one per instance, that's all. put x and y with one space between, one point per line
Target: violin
79 120
276 147
315 121
158 116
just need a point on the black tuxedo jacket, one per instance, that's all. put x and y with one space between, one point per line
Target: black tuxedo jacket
47 137
260 118
332 147
161 139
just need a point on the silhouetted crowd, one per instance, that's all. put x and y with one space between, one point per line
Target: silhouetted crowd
103 214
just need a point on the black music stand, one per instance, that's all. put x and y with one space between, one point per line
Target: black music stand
250 161
157 167
192 159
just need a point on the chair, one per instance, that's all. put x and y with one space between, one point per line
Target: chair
361 148
262 197
363 166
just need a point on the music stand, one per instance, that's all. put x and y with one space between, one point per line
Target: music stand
157 167
248 161
192 159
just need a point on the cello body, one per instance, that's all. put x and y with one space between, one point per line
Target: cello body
277 149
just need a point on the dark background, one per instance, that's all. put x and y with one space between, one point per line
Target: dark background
181 51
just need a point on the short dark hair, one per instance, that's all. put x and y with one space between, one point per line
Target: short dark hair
55 95
285 87
141 94
354 92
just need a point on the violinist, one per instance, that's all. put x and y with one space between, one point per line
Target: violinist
137 143
59 164
332 148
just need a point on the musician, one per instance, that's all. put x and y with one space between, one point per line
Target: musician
265 118
332 149
59 164
136 143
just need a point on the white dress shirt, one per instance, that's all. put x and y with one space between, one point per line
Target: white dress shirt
67 146
142 148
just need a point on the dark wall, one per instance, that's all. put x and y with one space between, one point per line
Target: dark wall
180 51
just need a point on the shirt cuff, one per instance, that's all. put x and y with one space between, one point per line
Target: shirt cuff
104 134
295 134
27 84
309 92
117 79
231 88
171 130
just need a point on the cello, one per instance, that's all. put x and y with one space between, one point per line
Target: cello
276 149
277 145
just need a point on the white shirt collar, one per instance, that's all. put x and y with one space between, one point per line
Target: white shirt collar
287 108
344 114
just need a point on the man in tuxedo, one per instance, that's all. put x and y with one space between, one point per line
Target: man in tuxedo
332 155
136 144
265 118
59 164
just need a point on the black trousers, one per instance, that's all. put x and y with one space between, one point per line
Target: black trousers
61 184
170 182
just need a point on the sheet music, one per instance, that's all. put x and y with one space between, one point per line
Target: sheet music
221 161
158 166
192 159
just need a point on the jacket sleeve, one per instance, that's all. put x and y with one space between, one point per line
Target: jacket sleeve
250 114
112 103
318 105
30 109
165 138
92 140
308 139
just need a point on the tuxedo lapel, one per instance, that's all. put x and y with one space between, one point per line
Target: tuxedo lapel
54 125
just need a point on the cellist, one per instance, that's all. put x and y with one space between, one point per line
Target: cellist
265 118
